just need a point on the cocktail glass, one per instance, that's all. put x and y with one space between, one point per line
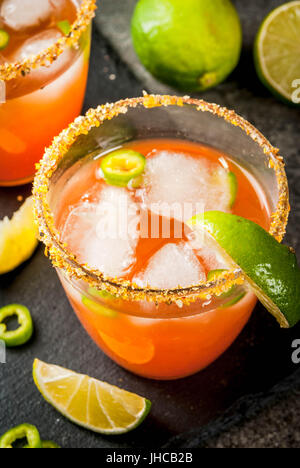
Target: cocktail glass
40 96
160 334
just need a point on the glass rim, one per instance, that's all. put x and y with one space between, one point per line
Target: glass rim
85 13
124 289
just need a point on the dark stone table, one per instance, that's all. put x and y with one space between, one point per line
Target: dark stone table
247 398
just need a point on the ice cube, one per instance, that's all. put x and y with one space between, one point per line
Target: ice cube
208 251
179 184
23 14
37 44
104 234
172 266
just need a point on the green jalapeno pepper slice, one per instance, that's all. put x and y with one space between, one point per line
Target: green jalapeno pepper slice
65 27
4 39
20 432
23 333
122 166
46 444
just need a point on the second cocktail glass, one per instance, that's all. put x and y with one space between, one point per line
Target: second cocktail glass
43 75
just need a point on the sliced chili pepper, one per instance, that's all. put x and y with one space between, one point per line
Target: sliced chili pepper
122 166
234 186
46 444
23 333
24 431
64 26
4 39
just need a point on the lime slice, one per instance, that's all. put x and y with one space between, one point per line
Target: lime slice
270 268
90 403
4 39
18 238
276 51
122 166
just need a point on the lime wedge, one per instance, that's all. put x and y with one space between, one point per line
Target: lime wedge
276 52
18 238
270 268
90 403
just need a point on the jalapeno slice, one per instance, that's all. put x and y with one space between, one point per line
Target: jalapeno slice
24 431
23 333
212 275
46 444
122 166
64 26
4 39
234 186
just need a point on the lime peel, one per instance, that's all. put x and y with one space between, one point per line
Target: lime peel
269 267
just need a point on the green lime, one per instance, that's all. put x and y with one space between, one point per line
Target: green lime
191 44
270 268
276 52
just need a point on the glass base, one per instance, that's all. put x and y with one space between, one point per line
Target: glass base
15 183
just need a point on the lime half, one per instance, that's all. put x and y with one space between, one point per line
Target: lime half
270 268
276 52
88 402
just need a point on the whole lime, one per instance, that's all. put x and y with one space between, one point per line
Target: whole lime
190 44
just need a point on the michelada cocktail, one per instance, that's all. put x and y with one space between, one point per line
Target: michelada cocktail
113 197
44 58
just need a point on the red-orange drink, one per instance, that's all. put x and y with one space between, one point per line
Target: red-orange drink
158 341
38 101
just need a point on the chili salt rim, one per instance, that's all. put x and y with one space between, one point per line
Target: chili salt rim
85 13
65 260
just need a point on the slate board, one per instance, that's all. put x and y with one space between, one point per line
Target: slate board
249 375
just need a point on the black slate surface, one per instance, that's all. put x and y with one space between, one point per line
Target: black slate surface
255 371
